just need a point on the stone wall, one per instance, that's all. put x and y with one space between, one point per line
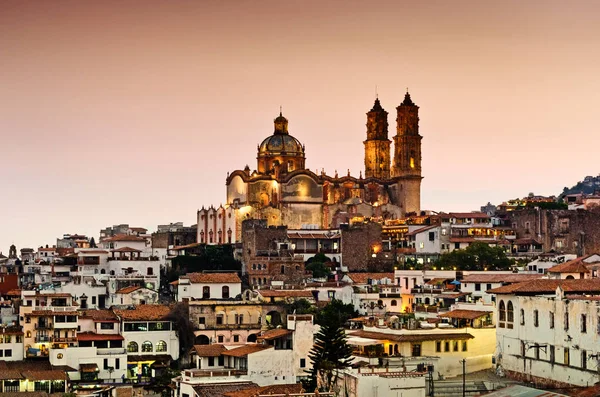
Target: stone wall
359 242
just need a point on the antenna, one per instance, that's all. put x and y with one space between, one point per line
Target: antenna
280 110
376 93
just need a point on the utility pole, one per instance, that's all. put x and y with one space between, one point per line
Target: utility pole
464 363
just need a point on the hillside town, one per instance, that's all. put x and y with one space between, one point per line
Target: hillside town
306 284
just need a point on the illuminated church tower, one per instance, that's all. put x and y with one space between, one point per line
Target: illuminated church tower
407 154
377 145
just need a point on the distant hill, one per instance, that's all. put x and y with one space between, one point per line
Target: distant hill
589 185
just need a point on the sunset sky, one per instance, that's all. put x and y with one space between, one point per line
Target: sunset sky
134 111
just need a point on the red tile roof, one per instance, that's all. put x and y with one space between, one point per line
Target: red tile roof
548 286
144 312
493 277
465 314
416 337
128 290
362 278
44 375
11 330
275 334
91 336
125 249
479 215
279 390
99 315
573 266
209 350
92 252
212 278
421 230
245 350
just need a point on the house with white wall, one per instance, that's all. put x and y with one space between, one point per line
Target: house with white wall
477 284
548 331
208 286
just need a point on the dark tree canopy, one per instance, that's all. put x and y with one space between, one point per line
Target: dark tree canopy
477 256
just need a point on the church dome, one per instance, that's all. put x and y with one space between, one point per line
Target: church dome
281 142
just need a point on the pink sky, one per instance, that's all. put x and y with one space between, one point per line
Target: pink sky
134 111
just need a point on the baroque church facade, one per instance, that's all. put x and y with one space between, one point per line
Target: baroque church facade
283 191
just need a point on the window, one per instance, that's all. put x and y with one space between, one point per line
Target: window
221 361
536 349
161 346
394 302
93 300
331 295
7 353
488 286
456 246
552 356
446 346
566 321
105 363
117 363
416 350
535 318
1 353
502 311
509 312
551 319
421 245
438 346
464 345
225 292
477 287
211 361
584 359
147 347
431 236
132 347
236 338
220 338
7 338
107 325
302 363
522 315
583 323
282 269
523 349
202 320
219 319
455 346
567 357
206 292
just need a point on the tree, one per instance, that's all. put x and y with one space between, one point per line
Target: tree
336 310
179 314
477 256
318 269
300 306
331 351
93 243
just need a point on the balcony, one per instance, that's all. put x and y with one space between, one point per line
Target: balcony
42 338
207 373
56 309
62 339
426 291
43 325
232 326
69 325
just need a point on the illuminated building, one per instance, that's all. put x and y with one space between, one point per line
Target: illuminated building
282 191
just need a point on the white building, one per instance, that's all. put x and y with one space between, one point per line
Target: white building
218 225
208 286
381 382
11 348
150 337
477 284
134 295
549 331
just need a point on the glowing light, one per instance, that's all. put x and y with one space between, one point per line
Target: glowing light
412 162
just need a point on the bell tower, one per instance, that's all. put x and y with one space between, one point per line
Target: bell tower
377 145
407 156
407 142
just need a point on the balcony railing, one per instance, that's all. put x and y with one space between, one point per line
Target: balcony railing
42 338
426 291
207 373
56 309
43 326
110 351
62 339
231 326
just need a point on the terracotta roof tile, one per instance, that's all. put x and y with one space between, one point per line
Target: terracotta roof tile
144 312
128 290
45 375
362 278
549 286
125 249
478 215
417 337
245 350
421 230
210 278
209 350
279 390
465 314
91 336
99 315
12 330
275 333
492 277
574 266
126 391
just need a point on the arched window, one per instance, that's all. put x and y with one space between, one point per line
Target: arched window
394 302
225 292
510 312
112 272
132 347
502 311
102 271
254 266
206 292
28 334
161 346
522 314
147 347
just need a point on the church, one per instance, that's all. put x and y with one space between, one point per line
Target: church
283 191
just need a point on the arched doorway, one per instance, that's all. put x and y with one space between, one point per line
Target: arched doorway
252 338
273 318
202 340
